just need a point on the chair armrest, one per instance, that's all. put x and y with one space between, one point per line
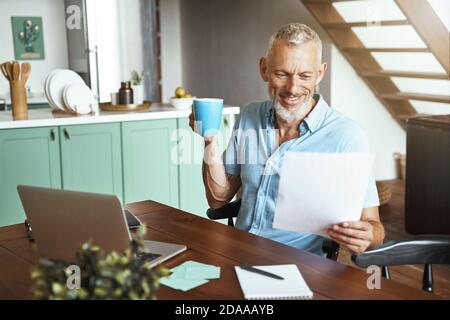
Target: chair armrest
331 249
230 210
419 250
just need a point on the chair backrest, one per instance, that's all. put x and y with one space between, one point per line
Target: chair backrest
427 250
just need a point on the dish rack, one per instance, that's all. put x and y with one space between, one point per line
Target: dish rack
72 113
68 94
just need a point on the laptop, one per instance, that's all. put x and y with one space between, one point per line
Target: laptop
62 220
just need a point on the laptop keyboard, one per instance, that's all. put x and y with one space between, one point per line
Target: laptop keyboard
143 257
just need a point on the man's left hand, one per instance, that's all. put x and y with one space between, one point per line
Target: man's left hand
356 236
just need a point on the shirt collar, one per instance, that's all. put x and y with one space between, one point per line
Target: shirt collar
313 119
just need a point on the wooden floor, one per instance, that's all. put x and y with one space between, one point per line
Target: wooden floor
393 218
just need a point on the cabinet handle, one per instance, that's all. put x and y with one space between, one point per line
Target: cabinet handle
225 122
52 134
66 133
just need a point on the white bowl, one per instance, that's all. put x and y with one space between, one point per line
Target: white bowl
182 103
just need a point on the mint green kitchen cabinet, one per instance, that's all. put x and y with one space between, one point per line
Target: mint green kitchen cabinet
190 153
91 158
27 156
135 160
149 161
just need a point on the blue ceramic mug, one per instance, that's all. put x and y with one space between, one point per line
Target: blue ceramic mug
207 116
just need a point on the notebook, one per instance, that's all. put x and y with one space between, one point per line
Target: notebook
259 287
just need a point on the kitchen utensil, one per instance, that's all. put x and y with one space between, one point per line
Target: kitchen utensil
56 85
16 70
79 98
68 107
9 70
5 73
207 115
46 90
25 71
182 103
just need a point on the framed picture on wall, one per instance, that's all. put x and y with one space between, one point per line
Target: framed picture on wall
28 35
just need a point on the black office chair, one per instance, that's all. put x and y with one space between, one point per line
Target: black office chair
427 250
231 210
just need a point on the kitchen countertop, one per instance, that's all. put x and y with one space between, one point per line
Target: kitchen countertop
45 118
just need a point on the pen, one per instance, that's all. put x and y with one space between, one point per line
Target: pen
265 273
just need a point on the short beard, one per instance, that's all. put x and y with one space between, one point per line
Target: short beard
288 116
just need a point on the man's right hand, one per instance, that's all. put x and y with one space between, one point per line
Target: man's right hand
191 121
192 125
219 186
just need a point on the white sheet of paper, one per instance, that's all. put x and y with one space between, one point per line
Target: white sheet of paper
320 189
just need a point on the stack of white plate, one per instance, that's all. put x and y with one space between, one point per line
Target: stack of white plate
66 91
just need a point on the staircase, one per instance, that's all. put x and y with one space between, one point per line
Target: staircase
418 19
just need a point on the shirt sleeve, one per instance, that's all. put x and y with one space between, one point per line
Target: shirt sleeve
230 154
356 140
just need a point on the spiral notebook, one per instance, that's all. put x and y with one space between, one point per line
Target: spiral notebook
259 287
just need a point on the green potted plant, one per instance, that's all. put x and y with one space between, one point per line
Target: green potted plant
115 276
137 86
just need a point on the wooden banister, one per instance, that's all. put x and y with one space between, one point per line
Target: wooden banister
405 74
416 96
421 16
344 25
407 50
429 27
362 60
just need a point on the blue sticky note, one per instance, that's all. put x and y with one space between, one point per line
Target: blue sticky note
212 272
196 270
182 284
190 274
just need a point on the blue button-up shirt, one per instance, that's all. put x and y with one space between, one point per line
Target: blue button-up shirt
253 155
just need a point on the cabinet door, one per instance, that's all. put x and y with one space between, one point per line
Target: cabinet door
91 158
149 161
29 157
190 158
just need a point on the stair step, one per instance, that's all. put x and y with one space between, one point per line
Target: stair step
405 74
406 117
364 49
405 96
344 25
326 1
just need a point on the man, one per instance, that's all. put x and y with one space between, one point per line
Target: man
295 119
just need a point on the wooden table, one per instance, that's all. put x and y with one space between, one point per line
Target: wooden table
213 243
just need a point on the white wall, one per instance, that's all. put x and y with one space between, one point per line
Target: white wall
171 67
130 37
55 43
351 96
115 28
222 41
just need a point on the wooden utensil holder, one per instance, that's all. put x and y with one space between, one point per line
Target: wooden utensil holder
18 99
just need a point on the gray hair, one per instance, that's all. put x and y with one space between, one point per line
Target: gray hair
296 34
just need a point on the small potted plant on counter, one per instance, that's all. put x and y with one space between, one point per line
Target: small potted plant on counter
115 276
137 86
